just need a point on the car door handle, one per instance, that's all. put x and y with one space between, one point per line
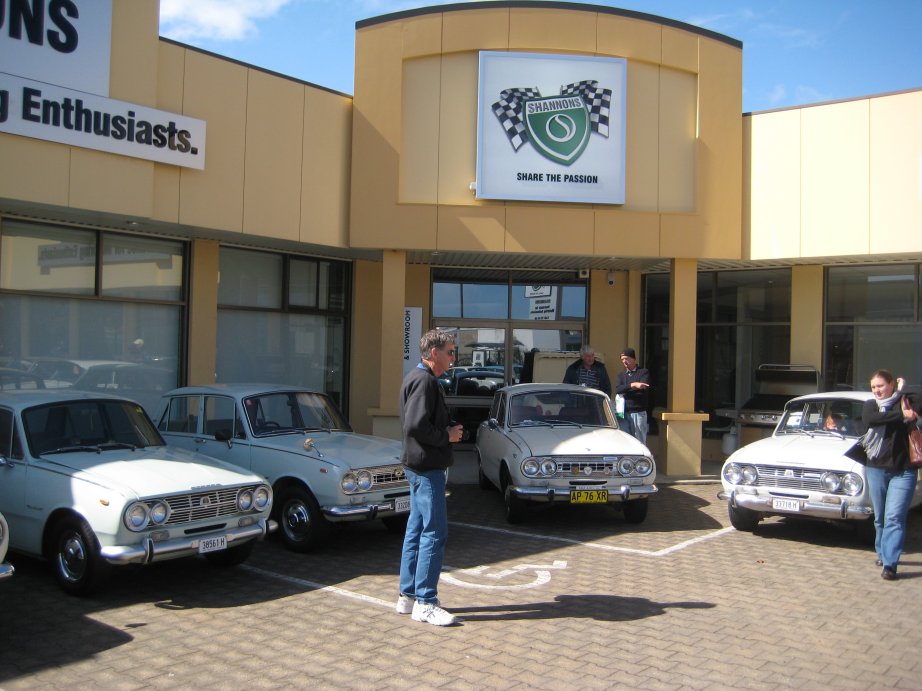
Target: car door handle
199 440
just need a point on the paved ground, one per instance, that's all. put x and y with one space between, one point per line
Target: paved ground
575 598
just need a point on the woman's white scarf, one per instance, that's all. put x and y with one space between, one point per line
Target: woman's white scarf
873 439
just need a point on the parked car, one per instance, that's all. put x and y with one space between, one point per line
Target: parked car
87 482
560 443
15 379
142 383
6 570
812 466
320 470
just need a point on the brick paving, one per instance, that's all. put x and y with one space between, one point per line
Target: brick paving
681 601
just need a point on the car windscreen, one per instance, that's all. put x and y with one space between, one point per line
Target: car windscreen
833 416
90 424
287 411
559 406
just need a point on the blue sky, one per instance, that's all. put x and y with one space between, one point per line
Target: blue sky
794 51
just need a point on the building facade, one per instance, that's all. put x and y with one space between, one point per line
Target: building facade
185 218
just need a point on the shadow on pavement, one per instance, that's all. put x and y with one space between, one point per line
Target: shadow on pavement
597 607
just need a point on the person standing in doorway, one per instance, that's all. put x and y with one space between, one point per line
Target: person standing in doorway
587 371
891 482
428 434
634 385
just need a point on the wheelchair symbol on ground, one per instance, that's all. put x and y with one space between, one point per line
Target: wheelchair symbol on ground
519 577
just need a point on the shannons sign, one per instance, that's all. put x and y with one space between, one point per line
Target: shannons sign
551 128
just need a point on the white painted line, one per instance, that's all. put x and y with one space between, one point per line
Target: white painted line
319 586
599 545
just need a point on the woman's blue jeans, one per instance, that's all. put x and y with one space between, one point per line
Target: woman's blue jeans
427 532
891 493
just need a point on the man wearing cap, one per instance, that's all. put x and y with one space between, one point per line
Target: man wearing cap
634 385
587 371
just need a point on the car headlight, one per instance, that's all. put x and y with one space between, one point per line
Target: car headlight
348 483
531 467
364 480
136 516
245 499
643 467
831 482
548 467
852 484
627 466
262 497
159 513
750 475
733 473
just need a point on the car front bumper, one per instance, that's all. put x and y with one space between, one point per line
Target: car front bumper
150 551
369 510
807 507
617 494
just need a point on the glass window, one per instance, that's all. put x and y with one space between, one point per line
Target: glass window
446 299
302 283
220 417
753 296
871 293
853 352
484 301
334 285
250 279
548 302
48 259
181 415
134 267
656 298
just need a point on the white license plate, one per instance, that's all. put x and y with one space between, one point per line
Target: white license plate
785 504
402 505
212 544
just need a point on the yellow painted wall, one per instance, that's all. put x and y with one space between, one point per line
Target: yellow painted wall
415 123
841 179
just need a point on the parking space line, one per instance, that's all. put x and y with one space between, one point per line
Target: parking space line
319 586
599 545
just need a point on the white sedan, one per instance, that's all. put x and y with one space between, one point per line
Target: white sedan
546 443
6 570
812 466
87 483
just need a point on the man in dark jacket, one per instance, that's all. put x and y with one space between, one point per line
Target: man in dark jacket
634 384
428 433
587 371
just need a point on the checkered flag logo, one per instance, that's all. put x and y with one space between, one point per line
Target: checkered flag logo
597 100
508 109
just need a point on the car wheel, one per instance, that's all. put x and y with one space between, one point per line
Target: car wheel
77 565
743 519
232 556
396 524
635 511
481 478
301 525
516 509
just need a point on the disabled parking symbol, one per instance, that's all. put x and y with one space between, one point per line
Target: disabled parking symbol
520 577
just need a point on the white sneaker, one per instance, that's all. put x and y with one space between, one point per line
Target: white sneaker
431 613
405 604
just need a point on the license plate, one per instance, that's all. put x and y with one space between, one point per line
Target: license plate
402 505
785 504
588 496
212 544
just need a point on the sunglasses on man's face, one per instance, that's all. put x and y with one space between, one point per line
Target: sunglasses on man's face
451 352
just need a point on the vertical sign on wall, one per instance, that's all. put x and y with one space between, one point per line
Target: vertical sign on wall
412 332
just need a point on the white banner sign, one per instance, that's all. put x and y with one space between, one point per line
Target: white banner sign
64 42
551 128
543 302
53 113
412 332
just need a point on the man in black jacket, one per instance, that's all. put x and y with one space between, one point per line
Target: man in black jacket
634 384
587 371
428 434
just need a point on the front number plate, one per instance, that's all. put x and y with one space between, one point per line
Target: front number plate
588 496
785 504
212 544
402 505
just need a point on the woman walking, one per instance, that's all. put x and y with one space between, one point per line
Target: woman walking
891 482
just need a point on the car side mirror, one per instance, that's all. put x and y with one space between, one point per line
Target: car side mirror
492 423
223 435
3 461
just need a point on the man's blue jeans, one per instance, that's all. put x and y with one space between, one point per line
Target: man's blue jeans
891 492
635 424
427 532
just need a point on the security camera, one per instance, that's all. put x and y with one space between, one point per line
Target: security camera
611 278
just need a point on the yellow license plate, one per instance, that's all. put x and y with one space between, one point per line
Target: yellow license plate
588 496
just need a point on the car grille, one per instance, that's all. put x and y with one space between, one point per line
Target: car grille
806 479
388 477
200 506
583 467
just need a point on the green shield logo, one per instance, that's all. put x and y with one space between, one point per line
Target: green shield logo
558 127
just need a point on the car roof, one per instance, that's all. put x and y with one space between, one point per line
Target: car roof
240 389
834 396
538 387
26 398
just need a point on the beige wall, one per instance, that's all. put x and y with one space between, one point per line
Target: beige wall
415 135
841 179
278 151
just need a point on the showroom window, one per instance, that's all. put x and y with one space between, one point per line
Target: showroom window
873 321
283 320
92 309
